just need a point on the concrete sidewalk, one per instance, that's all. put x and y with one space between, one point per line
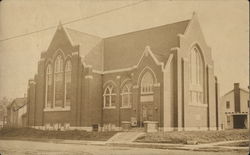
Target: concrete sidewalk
210 147
206 147
217 146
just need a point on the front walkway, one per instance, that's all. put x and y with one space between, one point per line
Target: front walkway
127 139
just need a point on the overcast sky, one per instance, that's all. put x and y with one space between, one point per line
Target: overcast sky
224 24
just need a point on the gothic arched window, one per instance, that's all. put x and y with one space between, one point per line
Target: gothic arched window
58 82
68 68
48 93
196 71
109 97
126 96
147 83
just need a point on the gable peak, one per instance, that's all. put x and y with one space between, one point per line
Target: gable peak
60 25
194 15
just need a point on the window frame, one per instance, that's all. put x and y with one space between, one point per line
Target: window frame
67 70
111 95
196 78
147 88
128 93
227 104
58 74
49 73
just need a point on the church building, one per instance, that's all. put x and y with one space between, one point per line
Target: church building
163 74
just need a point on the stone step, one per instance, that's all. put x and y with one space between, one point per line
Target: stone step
122 137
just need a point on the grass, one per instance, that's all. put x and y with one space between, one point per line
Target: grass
182 137
237 144
26 133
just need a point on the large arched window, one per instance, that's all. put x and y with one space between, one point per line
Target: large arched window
58 82
196 68
126 96
48 96
109 97
147 83
67 83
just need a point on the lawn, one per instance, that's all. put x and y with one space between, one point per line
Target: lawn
237 144
30 133
182 137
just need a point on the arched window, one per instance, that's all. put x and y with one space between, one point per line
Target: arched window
109 97
48 93
58 82
196 77
126 96
147 83
67 83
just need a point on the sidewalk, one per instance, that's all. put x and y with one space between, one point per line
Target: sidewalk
205 147
209 147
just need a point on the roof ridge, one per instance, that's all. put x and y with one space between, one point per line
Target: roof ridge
77 31
244 90
233 90
155 27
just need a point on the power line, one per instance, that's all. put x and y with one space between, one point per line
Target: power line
74 21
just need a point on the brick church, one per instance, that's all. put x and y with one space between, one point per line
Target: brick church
163 74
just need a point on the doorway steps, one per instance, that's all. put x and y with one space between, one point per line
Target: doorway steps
125 137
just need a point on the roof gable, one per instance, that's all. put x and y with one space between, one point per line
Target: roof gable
18 103
91 47
59 40
125 50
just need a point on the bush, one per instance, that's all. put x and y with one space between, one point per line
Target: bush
199 136
71 134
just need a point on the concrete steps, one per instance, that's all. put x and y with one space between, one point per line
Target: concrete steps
125 137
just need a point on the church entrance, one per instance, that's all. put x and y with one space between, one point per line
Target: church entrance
146 112
146 109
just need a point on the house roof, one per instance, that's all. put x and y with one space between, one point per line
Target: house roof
125 50
231 91
18 103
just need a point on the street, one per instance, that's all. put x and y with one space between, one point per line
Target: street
15 147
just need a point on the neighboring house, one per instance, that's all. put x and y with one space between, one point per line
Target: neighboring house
15 111
163 74
3 114
3 111
234 108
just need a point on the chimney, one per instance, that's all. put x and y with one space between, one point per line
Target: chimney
237 97
236 86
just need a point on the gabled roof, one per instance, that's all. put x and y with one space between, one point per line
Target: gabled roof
125 50
231 91
85 40
18 103
91 47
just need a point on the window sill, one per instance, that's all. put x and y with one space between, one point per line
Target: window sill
109 107
197 104
57 109
129 107
147 93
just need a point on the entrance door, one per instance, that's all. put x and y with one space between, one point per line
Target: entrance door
147 97
147 112
239 121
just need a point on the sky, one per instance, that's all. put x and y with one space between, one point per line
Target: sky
225 25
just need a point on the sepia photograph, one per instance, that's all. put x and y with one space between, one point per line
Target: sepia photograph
124 77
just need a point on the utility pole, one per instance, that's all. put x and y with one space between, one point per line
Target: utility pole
249 104
249 119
